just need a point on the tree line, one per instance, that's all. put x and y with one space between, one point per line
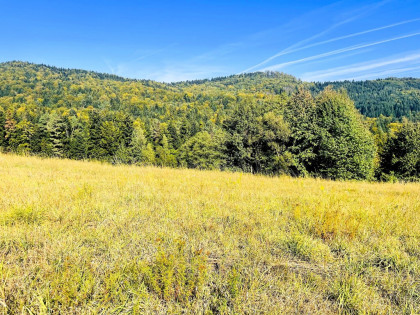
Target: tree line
390 97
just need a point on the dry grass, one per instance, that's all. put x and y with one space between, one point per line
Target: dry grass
85 237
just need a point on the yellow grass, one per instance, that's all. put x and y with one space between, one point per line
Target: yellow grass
86 237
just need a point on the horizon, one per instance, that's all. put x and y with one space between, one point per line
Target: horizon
204 79
190 40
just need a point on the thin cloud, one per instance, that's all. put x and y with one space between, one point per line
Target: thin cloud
292 49
336 52
186 71
358 68
109 65
130 68
384 73
289 51
152 53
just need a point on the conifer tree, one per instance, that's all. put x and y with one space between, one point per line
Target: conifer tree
138 145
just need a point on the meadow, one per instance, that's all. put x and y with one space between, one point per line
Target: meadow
88 237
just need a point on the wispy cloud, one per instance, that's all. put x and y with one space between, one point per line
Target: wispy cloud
187 71
222 59
131 65
289 50
354 16
358 68
144 54
384 73
336 52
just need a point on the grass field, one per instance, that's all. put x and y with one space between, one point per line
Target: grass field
86 237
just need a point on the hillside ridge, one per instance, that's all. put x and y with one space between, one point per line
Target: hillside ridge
391 97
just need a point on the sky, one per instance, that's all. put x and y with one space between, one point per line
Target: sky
185 40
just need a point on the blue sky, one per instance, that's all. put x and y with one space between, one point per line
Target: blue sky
184 40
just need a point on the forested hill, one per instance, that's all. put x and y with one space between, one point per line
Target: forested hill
257 82
57 87
389 97
267 122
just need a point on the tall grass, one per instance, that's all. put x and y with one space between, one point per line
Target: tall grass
86 237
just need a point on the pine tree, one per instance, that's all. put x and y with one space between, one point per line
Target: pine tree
58 128
148 156
94 133
41 140
164 156
138 145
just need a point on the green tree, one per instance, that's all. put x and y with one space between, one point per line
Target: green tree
59 131
204 151
164 156
41 140
79 143
2 128
329 138
111 139
401 155
346 148
275 134
138 145
174 136
94 132
148 156
122 155
300 115
21 137
125 124
242 145
256 139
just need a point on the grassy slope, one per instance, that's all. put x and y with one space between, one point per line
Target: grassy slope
88 237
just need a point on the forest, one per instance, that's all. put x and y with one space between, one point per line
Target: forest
268 123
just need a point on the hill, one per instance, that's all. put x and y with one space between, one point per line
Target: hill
86 237
389 97
55 87
261 123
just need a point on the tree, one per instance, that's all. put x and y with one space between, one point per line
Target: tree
94 131
111 138
345 148
174 136
41 140
328 137
125 124
122 155
9 128
243 138
164 156
300 115
204 151
155 131
256 139
2 128
401 155
148 155
79 143
21 137
275 134
58 128
138 145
